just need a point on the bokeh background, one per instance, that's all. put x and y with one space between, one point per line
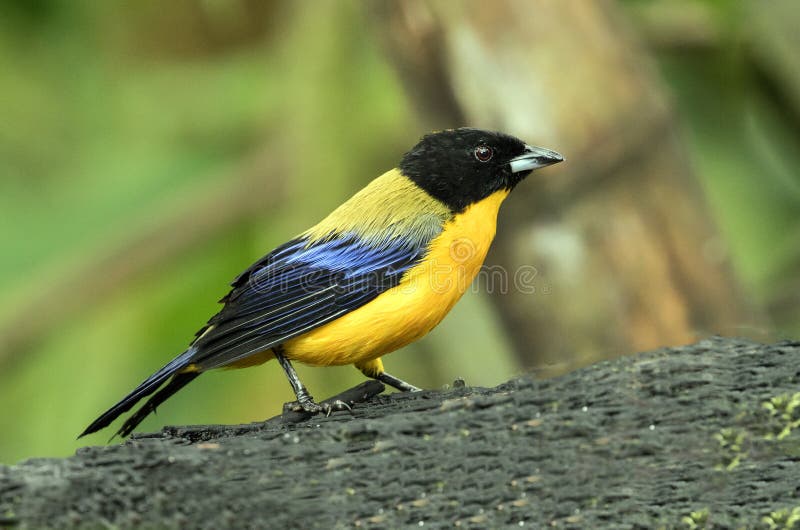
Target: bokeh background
150 151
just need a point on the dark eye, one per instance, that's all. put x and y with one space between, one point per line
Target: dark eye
483 153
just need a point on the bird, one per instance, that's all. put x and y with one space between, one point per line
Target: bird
379 272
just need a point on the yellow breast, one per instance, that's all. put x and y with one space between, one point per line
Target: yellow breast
410 310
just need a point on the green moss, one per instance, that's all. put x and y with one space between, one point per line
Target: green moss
731 442
784 410
783 519
772 422
696 520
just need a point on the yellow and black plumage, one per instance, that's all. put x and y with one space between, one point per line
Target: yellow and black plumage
378 273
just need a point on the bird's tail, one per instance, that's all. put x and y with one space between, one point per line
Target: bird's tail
147 387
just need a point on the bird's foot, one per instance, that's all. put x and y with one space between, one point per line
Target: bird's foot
312 407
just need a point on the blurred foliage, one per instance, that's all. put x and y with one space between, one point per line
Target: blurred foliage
110 111
101 128
734 72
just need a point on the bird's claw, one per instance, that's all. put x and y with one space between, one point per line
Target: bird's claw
335 406
312 407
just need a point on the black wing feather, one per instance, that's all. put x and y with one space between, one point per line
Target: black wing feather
296 288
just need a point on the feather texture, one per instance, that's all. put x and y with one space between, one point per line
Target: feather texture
300 287
388 209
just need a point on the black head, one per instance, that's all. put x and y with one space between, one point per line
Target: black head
462 166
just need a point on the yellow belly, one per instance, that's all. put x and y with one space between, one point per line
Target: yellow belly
410 310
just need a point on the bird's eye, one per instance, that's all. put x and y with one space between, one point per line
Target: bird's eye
483 153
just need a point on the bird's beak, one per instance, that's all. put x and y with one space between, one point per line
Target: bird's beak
534 158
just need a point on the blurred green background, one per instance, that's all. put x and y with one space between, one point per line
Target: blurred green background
149 152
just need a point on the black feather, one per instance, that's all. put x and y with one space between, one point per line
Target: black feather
147 387
296 288
178 381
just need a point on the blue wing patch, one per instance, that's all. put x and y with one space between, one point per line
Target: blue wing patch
298 287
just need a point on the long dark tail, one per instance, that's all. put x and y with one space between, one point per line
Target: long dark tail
147 387
178 381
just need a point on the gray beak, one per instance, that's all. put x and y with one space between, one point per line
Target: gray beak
534 158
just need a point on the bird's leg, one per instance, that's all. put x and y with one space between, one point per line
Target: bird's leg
374 369
397 383
304 400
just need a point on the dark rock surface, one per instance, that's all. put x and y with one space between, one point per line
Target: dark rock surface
701 436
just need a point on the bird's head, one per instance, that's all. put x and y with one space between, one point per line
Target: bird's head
460 167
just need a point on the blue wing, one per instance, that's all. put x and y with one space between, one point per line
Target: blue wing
298 287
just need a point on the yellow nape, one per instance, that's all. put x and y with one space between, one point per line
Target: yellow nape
389 207
410 310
